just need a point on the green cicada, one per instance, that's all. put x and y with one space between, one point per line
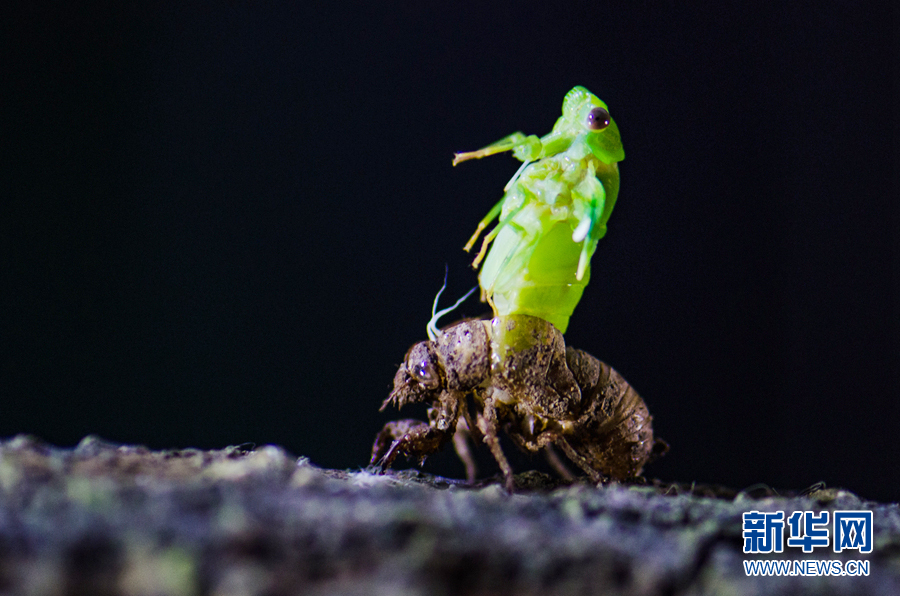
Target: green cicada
552 214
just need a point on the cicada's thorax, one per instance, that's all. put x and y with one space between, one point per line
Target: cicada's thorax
532 264
519 362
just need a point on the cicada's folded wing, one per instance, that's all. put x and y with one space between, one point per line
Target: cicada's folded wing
534 273
589 199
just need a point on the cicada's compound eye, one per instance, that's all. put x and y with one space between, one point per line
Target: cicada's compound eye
420 364
597 119
425 374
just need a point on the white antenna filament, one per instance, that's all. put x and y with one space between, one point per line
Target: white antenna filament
431 328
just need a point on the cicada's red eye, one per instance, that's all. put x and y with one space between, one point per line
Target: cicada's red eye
597 119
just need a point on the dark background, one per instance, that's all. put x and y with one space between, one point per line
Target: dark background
226 222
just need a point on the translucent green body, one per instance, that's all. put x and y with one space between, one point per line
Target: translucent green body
553 213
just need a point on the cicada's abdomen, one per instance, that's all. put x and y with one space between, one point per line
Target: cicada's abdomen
531 269
535 265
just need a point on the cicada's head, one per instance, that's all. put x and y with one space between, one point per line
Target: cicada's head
419 379
585 114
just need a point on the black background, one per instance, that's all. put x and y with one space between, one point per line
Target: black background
225 222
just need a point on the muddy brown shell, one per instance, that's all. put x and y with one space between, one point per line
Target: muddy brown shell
515 374
617 431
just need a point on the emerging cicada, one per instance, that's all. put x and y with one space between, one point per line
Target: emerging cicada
552 214
516 374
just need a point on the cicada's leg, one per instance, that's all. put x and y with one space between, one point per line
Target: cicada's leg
387 438
487 423
461 444
485 222
412 438
465 411
505 144
545 440
582 463
493 234
488 296
557 464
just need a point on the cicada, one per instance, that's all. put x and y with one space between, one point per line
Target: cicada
553 212
516 374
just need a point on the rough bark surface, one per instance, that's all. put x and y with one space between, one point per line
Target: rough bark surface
116 519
